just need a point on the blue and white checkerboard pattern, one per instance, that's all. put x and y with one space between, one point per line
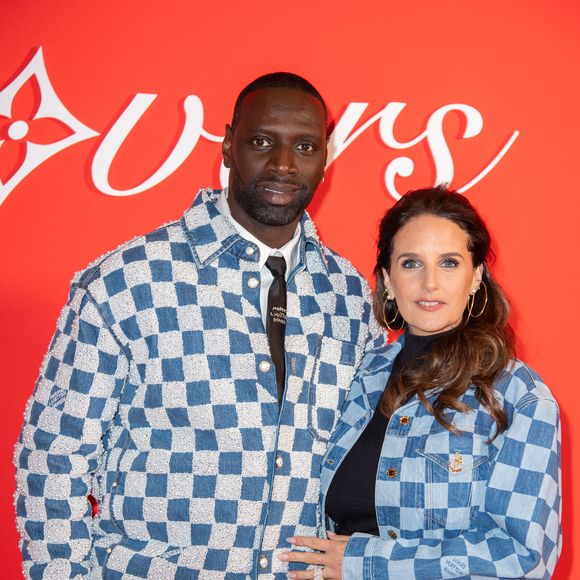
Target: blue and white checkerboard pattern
158 396
457 507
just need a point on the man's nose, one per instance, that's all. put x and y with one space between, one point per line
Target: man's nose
283 160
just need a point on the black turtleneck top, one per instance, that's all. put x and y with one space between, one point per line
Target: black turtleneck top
350 501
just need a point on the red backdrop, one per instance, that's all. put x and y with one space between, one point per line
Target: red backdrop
456 90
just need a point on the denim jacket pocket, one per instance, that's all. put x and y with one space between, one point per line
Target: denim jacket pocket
455 467
332 375
137 557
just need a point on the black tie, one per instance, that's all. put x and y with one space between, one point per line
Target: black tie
276 318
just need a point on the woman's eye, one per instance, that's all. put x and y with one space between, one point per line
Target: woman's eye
409 264
450 263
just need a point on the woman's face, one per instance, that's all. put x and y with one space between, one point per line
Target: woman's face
432 274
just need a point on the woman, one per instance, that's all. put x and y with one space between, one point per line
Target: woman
457 472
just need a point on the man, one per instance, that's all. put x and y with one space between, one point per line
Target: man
165 394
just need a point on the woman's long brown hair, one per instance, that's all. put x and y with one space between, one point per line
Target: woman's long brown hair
474 353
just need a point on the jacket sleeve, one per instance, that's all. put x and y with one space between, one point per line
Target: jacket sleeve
376 336
518 526
56 455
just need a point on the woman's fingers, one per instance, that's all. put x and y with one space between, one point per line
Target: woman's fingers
311 542
308 574
338 538
328 556
304 557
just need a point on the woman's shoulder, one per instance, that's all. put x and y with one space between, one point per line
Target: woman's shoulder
374 370
520 384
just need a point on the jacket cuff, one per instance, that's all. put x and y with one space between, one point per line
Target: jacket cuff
358 556
57 569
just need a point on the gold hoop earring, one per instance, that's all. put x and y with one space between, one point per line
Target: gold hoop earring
471 301
386 322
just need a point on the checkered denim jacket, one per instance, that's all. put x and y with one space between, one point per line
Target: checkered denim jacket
451 505
158 397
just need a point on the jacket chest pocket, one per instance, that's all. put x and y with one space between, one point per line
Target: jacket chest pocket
332 375
456 470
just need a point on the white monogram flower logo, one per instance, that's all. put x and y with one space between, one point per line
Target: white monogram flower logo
28 140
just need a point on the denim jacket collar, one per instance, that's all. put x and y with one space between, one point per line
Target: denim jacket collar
210 233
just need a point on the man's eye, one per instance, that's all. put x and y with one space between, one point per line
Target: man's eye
409 264
305 147
260 142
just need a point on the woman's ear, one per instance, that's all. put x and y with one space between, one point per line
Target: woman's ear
387 282
477 276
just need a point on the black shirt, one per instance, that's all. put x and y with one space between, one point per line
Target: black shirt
351 497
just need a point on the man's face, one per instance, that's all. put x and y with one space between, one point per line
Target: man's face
276 155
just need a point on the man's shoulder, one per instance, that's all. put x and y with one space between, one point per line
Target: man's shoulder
160 244
338 268
337 263
343 274
169 242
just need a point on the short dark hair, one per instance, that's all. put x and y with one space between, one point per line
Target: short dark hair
277 80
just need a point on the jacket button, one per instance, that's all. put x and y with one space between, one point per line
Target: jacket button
392 534
250 251
279 462
265 366
404 420
114 484
392 472
253 282
109 550
263 562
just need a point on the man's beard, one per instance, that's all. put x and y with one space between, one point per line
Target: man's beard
250 200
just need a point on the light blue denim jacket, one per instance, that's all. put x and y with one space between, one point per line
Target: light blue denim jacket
452 505
158 396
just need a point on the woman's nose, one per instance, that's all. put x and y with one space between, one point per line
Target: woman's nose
430 279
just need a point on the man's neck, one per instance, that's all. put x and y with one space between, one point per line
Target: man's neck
272 236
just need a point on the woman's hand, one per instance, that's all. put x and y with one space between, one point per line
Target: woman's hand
328 558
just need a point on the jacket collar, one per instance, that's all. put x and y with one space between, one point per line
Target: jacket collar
210 233
379 360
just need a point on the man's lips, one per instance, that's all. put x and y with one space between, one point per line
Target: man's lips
279 187
279 193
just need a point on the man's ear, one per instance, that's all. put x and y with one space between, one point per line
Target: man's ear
227 147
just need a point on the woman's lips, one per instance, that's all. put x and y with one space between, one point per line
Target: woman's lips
429 305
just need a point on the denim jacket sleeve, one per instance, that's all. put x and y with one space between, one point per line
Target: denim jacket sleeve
58 449
518 525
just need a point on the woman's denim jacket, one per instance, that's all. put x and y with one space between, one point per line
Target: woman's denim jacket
455 505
